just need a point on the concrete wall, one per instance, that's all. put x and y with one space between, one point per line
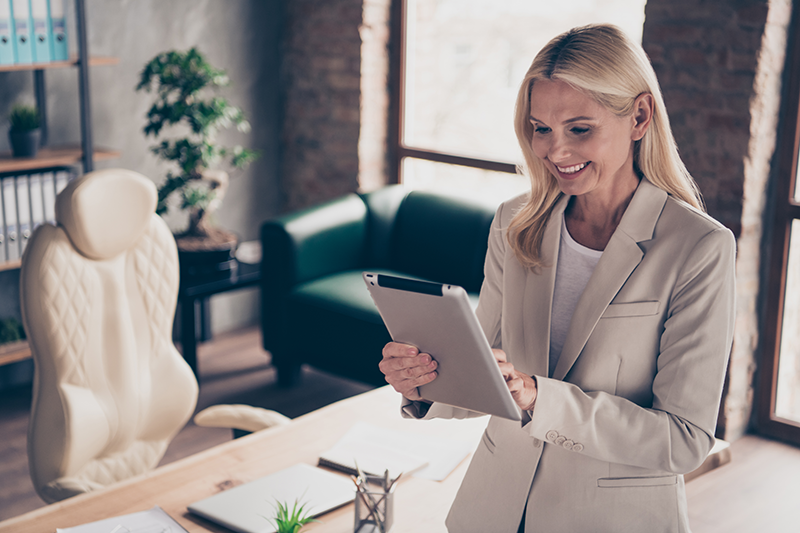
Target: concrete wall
240 36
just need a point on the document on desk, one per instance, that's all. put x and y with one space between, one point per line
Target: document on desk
154 520
425 456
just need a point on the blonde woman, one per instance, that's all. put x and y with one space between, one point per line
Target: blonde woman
608 298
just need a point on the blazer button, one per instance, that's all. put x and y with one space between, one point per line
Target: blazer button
560 440
577 447
551 435
567 444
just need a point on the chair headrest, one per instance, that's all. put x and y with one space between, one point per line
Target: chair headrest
107 211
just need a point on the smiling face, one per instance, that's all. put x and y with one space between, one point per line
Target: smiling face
585 146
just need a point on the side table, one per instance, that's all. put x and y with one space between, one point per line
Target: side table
195 290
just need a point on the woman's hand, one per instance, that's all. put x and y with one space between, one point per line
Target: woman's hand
522 386
406 369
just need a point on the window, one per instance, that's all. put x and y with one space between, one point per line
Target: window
779 398
461 66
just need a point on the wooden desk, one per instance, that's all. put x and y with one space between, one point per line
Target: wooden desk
420 505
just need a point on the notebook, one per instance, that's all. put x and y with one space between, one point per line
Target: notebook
250 508
368 447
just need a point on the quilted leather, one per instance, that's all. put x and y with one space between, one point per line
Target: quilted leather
110 389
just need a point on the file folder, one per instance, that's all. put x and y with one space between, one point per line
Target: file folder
10 212
6 33
42 32
58 24
23 47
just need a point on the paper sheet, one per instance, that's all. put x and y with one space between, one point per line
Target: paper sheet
154 520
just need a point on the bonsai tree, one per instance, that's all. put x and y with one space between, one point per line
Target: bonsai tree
185 85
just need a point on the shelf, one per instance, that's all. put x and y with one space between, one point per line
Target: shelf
10 265
73 62
13 352
51 157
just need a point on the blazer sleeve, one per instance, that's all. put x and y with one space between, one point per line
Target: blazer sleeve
676 433
488 312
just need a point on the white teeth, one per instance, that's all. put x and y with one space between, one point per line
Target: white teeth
571 170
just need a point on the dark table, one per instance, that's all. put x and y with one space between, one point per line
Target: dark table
197 290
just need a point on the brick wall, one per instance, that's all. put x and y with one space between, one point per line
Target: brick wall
326 106
720 64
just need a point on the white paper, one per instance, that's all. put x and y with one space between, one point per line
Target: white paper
153 521
442 454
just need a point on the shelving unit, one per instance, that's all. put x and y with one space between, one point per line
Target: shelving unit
52 157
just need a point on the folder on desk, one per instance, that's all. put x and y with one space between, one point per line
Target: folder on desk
6 33
23 47
58 41
42 32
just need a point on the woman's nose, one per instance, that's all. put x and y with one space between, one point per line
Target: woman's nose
558 149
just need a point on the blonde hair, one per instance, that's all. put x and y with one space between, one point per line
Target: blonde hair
603 63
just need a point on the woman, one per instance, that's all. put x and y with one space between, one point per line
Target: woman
608 298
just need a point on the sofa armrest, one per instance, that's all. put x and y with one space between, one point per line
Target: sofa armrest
314 242
306 245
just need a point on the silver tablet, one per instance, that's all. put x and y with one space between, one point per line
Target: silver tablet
439 320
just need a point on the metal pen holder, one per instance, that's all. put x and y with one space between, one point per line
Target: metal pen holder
374 508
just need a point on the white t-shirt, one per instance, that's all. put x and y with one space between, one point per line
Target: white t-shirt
575 266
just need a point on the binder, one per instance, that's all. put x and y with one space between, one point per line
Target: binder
3 224
6 33
58 25
21 184
23 47
42 32
10 212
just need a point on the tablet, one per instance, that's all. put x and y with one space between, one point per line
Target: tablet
438 319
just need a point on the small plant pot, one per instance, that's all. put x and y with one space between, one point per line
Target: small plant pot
24 143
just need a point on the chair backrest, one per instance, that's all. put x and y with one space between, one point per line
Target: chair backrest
98 294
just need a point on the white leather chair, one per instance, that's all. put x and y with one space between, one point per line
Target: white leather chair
98 293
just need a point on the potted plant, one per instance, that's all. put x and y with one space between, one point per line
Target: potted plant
291 520
24 133
187 106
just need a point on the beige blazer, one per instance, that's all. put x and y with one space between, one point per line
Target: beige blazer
632 404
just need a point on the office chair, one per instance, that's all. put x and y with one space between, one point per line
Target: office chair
98 294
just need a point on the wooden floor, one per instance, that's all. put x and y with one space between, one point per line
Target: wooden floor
758 491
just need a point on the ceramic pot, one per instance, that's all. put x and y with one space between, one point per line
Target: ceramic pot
24 143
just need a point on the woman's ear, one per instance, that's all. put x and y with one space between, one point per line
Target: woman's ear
643 109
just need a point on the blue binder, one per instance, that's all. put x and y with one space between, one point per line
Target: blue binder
6 33
23 50
42 33
58 41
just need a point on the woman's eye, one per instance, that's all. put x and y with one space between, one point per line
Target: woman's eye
541 129
579 131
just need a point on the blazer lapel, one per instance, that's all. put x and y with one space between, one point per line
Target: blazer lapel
621 256
537 302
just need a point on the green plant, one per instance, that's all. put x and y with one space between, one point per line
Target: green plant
23 118
11 330
185 85
294 520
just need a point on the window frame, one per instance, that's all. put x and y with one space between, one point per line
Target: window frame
402 151
786 210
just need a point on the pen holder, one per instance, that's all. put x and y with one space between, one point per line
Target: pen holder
374 510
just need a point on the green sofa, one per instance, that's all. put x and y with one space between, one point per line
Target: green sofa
315 308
